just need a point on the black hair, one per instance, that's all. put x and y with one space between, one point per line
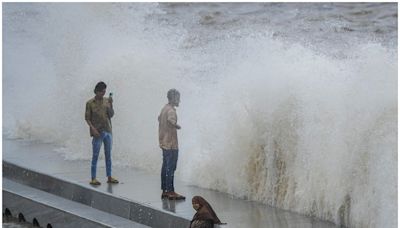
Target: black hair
172 94
100 86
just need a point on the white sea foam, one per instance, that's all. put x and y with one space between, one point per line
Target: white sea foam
263 118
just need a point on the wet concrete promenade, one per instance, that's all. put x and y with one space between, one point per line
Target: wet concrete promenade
144 188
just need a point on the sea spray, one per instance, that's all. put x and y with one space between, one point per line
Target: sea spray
305 143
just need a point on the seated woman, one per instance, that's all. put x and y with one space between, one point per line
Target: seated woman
205 216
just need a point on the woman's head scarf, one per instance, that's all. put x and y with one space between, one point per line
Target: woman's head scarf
205 212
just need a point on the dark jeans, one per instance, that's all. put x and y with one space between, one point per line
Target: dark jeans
170 158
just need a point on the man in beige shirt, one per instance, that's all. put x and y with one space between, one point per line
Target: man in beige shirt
168 139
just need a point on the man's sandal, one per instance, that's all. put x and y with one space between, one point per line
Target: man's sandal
112 180
94 182
176 196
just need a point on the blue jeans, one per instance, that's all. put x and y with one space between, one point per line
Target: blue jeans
106 138
170 158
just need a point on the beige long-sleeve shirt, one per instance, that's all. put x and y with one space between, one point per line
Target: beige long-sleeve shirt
167 133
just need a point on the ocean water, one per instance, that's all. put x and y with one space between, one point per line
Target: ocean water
289 104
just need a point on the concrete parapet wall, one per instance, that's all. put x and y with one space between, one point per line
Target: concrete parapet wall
45 215
47 210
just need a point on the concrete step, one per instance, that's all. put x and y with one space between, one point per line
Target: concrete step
49 210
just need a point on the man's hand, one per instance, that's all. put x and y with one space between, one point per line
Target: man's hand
95 132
